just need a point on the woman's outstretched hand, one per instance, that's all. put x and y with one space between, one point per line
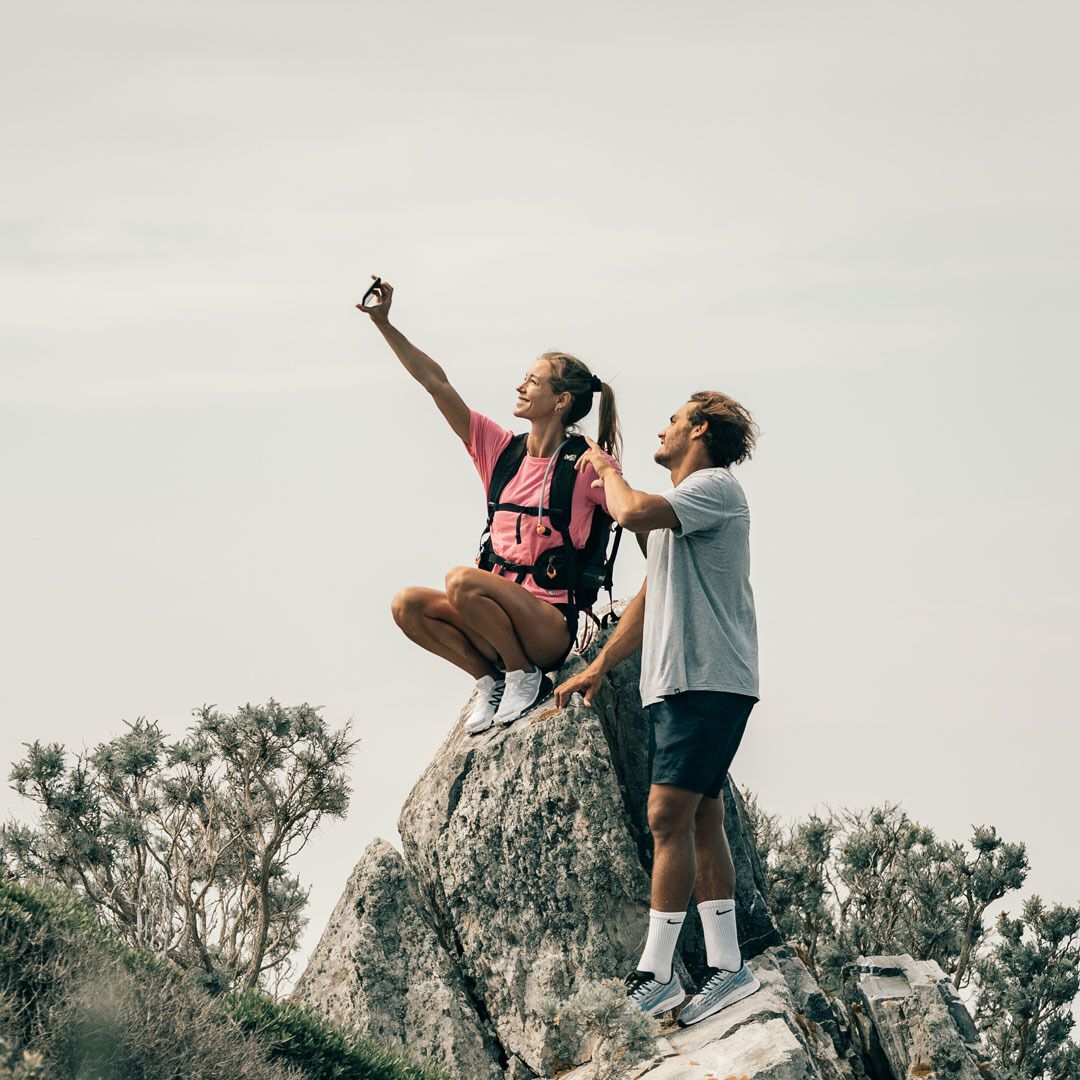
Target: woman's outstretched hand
378 305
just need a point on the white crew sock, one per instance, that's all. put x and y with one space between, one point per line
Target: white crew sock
721 937
664 927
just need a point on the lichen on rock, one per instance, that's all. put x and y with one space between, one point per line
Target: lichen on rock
525 876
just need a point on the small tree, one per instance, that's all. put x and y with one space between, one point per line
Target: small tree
997 868
874 881
1027 983
183 848
877 882
799 886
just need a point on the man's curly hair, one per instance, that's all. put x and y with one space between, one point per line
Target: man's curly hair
732 432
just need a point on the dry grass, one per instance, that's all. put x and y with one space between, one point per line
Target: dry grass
74 1005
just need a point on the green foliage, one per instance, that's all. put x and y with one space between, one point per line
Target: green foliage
297 1036
875 881
77 1003
1027 984
183 848
798 885
597 1022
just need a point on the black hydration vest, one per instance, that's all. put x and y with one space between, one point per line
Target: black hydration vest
582 572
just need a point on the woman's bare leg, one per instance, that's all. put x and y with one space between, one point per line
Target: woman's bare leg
428 618
523 630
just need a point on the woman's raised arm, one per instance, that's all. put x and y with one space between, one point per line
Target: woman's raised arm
419 365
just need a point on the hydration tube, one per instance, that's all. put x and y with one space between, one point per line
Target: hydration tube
541 528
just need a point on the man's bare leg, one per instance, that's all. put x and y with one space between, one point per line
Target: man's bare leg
714 887
672 821
715 878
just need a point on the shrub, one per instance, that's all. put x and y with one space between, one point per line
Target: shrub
598 1023
184 847
77 1003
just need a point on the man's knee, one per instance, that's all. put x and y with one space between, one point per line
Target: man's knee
709 822
463 583
710 811
669 818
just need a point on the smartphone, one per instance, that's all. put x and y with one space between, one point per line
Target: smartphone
373 296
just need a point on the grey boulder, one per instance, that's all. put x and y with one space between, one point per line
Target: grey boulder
381 968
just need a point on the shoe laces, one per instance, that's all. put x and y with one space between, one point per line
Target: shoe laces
637 983
714 977
496 694
519 679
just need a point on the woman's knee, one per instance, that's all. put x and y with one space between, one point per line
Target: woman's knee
407 606
463 583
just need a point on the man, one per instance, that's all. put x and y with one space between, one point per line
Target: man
694 622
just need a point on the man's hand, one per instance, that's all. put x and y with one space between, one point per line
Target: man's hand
602 463
585 683
379 312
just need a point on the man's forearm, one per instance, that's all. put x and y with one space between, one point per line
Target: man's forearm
622 500
626 639
637 511
417 363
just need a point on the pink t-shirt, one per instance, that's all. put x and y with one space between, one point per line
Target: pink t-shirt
487 440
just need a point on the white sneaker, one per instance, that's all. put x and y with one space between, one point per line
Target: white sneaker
524 691
721 989
651 996
489 692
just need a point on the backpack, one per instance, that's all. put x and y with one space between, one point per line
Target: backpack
582 572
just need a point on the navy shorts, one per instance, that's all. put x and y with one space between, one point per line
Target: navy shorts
693 737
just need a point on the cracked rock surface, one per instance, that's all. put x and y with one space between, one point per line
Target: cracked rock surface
525 871
913 1025
770 1035
379 942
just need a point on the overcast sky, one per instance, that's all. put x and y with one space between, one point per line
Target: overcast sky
862 220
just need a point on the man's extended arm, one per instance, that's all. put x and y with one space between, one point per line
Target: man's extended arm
635 510
624 642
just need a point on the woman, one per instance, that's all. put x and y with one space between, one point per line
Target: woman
506 634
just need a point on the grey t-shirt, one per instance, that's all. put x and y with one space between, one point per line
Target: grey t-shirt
700 628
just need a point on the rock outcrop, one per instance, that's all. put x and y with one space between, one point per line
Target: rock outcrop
785 1031
383 943
911 1023
525 871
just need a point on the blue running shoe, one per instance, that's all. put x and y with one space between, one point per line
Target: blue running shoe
722 988
651 996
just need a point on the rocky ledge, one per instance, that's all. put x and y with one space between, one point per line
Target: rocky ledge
525 874
785 1031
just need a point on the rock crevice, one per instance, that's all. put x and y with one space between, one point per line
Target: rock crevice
525 875
526 854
